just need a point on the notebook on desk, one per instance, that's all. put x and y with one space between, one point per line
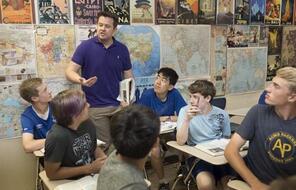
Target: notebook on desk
84 183
216 147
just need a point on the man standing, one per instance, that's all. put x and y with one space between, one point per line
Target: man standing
103 62
271 132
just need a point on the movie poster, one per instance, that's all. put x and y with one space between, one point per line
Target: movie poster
257 11
119 7
274 50
225 11
241 14
17 12
207 12
273 12
165 12
142 11
187 12
287 12
53 12
85 12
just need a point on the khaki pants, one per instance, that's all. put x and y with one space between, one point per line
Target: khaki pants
101 118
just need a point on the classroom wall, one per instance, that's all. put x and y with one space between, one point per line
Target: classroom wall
18 169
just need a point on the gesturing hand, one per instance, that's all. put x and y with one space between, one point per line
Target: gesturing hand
89 82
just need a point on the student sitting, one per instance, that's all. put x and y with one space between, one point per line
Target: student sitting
134 131
71 145
37 119
271 132
166 101
198 122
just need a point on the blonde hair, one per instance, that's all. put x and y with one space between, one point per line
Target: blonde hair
28 88
289 74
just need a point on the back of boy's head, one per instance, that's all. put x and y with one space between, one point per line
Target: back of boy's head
28 88
134 131
204 87
170 74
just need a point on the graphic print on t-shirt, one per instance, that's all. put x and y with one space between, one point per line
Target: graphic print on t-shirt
81 149
281 147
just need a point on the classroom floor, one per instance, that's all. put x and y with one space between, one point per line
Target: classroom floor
170 167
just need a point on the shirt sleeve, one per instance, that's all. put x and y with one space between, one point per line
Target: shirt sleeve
127 63
180 102
247 128
27 124
226 129
135 186
144 99
78 56
181 117
55 147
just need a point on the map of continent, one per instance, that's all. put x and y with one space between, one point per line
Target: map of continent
186 49
144 47
246 69
55 46
11 107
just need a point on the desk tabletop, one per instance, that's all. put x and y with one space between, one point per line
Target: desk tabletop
238 112
51 184
216 160
167 127
39 153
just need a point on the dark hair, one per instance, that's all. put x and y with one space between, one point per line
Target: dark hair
170 74
67 104
134 130
110 15
204 87
288 183
28 88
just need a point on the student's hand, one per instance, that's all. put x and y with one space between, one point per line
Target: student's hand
260 186
192 111
97 164
124 104
164 118
89 82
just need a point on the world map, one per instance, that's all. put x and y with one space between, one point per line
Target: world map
186 49
144 47
246 69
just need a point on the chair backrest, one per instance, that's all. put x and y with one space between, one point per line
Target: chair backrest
219 102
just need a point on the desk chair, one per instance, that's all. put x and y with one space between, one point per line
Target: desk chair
39 154
238 185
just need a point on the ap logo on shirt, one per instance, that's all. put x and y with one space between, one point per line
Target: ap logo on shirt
281 147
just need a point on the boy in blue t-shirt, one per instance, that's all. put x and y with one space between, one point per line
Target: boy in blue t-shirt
166 101
37 119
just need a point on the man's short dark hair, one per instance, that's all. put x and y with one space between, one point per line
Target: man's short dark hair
204 87
170 74
110 15
134 130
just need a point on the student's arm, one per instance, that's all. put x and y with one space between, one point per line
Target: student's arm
30 144
236 161
54 171
73 76
182 132
128 74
